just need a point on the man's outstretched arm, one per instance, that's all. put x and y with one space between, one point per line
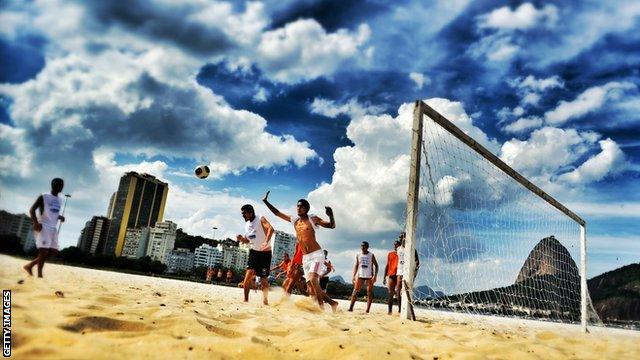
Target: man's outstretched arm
273 209
331 224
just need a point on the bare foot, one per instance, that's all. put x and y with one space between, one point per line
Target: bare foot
28 270
334 307
265 301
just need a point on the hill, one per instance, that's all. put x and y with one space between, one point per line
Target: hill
616 295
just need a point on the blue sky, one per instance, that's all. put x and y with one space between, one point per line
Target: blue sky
303 98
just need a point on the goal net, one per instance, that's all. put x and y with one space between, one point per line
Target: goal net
488 240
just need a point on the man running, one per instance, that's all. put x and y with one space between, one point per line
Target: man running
391 276
258 232
45 224
363 271
324 279
294 272
312 255
283 266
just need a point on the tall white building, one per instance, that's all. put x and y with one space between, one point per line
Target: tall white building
207 255
180 260
19 225
282 243
235 257
162 238
136 241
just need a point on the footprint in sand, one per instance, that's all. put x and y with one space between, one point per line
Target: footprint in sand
220 331
101 323
278 333
108 300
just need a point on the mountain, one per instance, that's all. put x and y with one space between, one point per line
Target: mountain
616 295
424 292
547 286
337 279
549 257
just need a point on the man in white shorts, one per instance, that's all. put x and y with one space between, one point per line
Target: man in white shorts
305 225
45 225
364 271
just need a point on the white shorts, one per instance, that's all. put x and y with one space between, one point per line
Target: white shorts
313 263
47 239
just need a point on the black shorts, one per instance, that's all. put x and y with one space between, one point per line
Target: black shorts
393 277
260 262
323 282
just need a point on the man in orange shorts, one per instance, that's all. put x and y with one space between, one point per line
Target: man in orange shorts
283 266
391 276
294 272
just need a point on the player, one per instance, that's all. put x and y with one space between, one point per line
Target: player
364 271
305 225
258 232
324 279
45 225
391 276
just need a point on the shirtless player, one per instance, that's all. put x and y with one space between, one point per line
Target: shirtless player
312 254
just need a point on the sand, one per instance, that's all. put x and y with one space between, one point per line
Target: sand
99 314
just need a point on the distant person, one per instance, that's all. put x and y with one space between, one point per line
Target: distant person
258 232
283 266
210 272
400 270
220 276
364 271
391 276
229 276
324 280
45 225
305 225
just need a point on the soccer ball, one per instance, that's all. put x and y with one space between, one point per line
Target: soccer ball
202 171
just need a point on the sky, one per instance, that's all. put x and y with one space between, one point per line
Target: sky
312 99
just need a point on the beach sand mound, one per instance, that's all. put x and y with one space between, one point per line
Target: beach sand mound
116 316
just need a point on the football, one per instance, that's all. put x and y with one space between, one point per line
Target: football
202 171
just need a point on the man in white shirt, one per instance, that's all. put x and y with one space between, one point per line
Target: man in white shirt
45 225
258 232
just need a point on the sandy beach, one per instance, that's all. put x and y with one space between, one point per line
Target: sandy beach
82 313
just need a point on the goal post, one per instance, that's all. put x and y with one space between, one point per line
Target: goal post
463 204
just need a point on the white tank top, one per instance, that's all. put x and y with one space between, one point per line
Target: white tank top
365 265
49 216
255 233
400 252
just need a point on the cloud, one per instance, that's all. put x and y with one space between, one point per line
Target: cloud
369 184
588 101
498 47
610 160
523 124
303 50
420 79
352 108
551 158
525 16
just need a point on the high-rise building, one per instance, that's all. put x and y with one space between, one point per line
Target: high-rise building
180 260
207 255
162 238
235 257
139 202
136 241
112 203
93 236
19 225
282 243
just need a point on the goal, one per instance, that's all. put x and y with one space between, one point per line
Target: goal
488 240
